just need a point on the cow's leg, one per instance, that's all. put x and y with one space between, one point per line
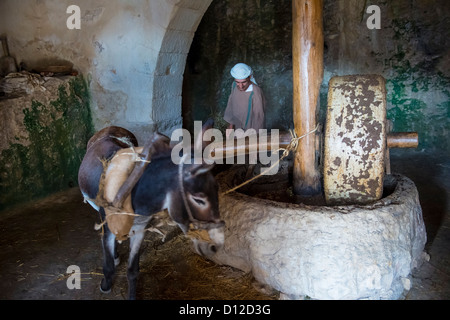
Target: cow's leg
109 253
137 234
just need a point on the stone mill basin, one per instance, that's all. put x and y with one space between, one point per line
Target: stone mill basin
317 251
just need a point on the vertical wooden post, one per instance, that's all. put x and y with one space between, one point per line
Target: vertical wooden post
307 52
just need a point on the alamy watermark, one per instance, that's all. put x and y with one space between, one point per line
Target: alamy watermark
374 21
257 142
74 280
74 20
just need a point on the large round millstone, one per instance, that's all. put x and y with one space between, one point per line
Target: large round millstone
355 139
325 252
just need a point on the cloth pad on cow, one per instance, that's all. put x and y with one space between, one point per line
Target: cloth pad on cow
116 171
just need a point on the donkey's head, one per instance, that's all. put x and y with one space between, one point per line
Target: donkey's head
194 205
197 199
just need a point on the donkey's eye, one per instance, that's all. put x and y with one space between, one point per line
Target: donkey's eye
199 201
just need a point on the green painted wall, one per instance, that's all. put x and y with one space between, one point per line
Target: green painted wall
418 92
57 137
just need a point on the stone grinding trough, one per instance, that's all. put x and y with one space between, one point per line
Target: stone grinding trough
368 235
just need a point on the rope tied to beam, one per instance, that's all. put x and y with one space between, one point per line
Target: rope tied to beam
293 144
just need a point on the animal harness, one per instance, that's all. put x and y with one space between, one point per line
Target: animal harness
115 173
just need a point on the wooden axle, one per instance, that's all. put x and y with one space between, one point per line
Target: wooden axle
402 140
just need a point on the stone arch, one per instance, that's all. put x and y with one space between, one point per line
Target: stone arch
170 65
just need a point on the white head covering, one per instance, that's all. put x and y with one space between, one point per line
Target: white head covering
242 71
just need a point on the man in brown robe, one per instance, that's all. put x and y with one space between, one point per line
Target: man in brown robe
245 108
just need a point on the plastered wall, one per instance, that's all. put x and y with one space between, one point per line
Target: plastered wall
132 53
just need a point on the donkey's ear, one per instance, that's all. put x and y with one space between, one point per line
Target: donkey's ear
160 143
198 169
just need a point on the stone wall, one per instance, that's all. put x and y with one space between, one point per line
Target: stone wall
254 32
411 50
44 132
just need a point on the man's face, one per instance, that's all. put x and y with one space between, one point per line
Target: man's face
243 85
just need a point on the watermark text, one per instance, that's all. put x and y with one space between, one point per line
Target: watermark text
235 144
74 280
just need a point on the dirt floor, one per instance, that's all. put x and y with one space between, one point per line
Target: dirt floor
40 240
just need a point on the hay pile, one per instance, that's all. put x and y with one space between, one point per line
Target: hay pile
173 271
